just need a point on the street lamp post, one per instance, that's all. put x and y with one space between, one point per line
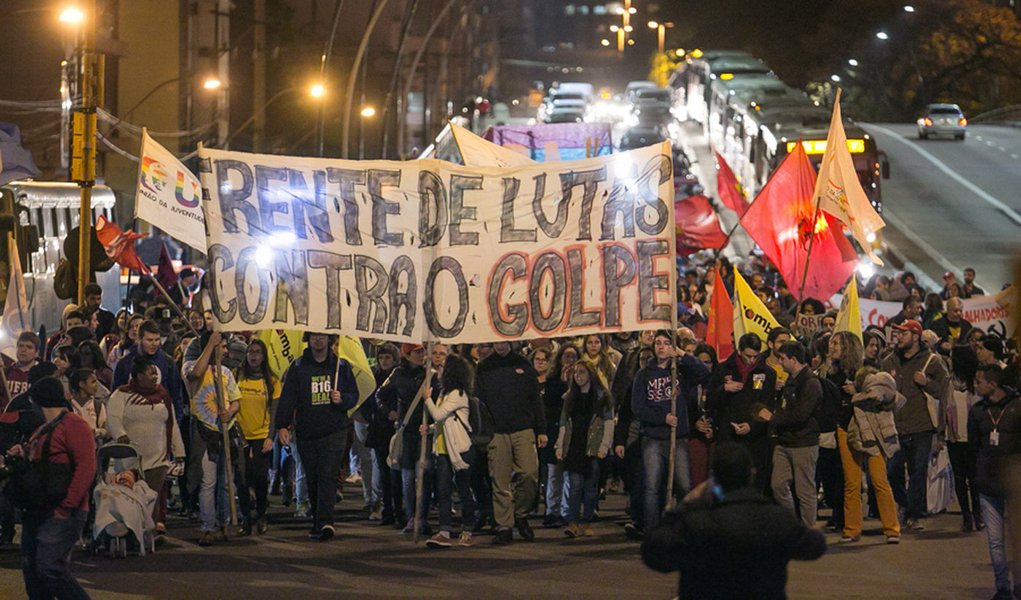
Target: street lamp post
661 33
349 93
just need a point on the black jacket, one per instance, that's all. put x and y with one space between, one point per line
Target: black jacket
737 546
305 397
794 422
743 406
942 328
509 387
991 460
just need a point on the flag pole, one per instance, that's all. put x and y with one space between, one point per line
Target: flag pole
811 242
423 446
221 405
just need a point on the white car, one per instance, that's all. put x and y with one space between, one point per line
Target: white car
942 119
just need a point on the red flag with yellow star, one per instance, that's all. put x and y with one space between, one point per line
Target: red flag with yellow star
780 220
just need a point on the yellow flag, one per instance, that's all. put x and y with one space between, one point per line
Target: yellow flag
849 316
750 314
283 347
350 349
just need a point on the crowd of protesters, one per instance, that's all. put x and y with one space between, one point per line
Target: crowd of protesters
539 429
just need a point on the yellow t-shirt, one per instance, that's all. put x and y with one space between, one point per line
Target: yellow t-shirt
253 415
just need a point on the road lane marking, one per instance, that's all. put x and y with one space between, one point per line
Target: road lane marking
988 198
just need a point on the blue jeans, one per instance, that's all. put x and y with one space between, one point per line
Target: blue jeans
993 508
408 487
915 450
583 489
636 480
557 489
446 479
300 485
46 544
655 462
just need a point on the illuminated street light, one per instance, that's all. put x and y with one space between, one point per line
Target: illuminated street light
882 35
661 33
317 90
604 42
835 78
908 8
212 83
72 15
852 62
632 10
614 28
368 112
628 28
653 25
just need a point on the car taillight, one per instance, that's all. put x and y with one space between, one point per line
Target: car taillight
928 122
962 121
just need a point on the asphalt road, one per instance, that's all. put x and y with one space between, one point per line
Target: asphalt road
369 561
954 204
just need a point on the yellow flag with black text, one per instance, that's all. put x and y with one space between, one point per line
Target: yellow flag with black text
750 314
849 316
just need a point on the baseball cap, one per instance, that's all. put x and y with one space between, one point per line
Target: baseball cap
910 325
407 349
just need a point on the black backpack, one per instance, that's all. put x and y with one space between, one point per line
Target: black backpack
827 412
480 420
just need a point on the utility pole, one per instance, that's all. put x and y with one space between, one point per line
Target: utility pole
90 74
259 76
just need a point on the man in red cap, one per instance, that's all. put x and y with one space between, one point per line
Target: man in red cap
922 378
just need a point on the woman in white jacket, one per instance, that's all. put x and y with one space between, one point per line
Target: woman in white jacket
454 452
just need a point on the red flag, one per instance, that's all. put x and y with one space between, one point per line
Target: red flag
780 222
721 319
698 227
119 245
165 273
727 187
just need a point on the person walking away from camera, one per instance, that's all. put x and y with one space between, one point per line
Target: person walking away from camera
319 388
207 451
453 452
994 430
62 452
728 540
651 395
869 440
260 391
509 388
918 372
141 413
797 434
584 438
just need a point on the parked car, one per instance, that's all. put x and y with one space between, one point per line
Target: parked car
942 119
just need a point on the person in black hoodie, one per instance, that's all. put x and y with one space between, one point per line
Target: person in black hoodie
509 387
382 424
994 431
740 386
797 434
319 389
650 401
708 539
399 394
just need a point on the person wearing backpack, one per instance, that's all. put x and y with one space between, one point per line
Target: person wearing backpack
796 430
453 451
509 387
920 375
52 490
842 356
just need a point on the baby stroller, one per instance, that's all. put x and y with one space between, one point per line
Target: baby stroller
123 503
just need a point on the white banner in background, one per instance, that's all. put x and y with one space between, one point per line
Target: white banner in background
989 313
427 250
168 195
